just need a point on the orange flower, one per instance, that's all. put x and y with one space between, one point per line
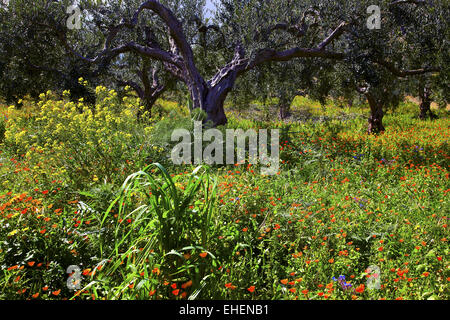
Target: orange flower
86 272
251 289
34 296
156 270
176 292
203 254
57 292
360 288
45 288
173 285
331 260
293 290
230 286
152 292
187 284
305 292
187 256
284 281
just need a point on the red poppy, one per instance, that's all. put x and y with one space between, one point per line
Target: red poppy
176 292
360 288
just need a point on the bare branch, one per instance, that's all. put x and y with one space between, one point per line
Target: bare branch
132 84
298 30
334 35
177 34
404 73
416 2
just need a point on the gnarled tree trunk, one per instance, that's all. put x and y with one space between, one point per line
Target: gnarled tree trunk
211 100
376 115
210 96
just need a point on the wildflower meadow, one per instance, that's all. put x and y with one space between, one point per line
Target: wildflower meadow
227 150
96 190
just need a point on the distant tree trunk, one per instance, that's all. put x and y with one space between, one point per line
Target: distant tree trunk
376 115
148 102
350 102
150 91
425 103
284 107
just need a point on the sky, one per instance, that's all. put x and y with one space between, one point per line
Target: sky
210 6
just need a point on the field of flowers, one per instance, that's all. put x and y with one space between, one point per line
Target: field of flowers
92 208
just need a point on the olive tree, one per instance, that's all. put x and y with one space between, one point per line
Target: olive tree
175 49
380 64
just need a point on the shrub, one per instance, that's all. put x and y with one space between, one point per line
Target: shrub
82 144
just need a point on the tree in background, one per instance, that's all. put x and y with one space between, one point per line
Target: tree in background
31 61
176 52
380 63
128 40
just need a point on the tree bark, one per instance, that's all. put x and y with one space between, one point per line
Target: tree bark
211 100
284 107
425 103
376 115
